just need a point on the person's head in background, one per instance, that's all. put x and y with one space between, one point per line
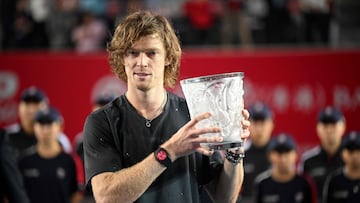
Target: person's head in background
330 129
262 124
282 156
32 100
47 126
351 154
101 100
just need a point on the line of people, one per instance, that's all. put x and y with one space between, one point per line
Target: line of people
274 171
38 163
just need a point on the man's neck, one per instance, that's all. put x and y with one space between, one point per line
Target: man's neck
148 104
282 177
352 173
48 150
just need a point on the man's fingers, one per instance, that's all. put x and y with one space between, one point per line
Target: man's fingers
197 119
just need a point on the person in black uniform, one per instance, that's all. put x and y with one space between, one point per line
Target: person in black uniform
21 134
325 158
49 173
343 185
281 183
143 146
12 188
262 125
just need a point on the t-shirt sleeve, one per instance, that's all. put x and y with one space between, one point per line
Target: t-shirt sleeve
100 153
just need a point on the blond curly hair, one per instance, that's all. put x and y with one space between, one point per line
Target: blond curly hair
140 24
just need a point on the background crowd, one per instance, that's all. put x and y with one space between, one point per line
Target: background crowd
86 25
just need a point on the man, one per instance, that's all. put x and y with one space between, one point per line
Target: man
49 173
143 147
325 158
343 185
262 125
21 134
282 183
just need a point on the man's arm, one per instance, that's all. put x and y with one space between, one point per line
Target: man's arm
127 184
229 183
227 188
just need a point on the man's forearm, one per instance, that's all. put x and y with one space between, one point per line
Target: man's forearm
128 184
229 183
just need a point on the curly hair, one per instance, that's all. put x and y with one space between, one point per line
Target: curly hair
135 26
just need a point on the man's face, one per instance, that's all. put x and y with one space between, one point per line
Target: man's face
352 158
330 134
47 132
284 162
27 111
145 63
261 130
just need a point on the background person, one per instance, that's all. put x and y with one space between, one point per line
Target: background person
21 134
262 125
49 173
12 188
343 185
281 183
323 159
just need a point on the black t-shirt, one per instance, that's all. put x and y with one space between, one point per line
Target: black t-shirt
267 190
116 137
339 188
11 183
256 162
48 179
318 165
20 140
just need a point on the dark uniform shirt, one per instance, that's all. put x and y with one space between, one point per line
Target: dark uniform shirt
318 165
340 189
256 161
267 190
48 180
11 183
20 140
116 137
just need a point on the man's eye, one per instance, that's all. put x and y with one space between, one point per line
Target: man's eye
132 53
151 53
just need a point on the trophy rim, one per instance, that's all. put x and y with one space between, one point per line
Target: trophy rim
206 78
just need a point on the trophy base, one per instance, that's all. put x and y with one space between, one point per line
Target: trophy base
223 145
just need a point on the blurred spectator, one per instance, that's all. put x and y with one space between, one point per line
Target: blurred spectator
323 159
39 10
96 7
61 21
89 36
261 128
343 185
317 17
256 13
235 27
281 183
21 134
346 29
49 173
19 27
280 26
202 16
12 188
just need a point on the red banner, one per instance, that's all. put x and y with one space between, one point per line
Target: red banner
295 83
